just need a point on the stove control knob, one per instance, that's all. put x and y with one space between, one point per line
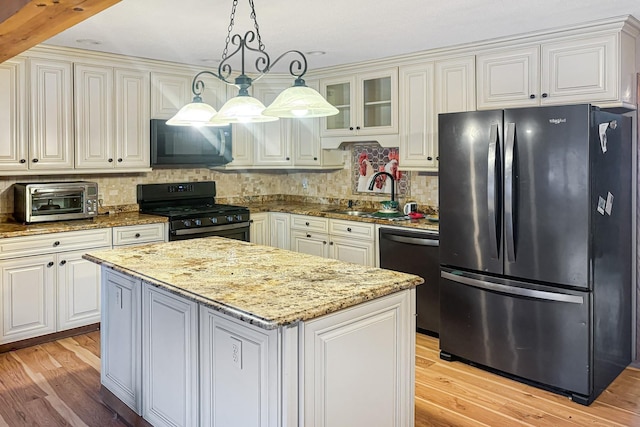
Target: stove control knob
214 220
239 217
187 223
197 222
230 218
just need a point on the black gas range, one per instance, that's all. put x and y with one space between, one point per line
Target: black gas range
192 210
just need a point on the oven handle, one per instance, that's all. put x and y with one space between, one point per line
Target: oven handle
200 230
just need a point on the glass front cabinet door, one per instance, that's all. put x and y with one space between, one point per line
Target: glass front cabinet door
368 104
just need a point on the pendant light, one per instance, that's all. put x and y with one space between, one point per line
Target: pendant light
296 101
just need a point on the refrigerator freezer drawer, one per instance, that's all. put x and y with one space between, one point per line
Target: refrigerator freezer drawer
539 335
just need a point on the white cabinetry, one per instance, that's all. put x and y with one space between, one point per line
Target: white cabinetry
348 241
358 356
46 285
280 230
169 358
427 89
112 117
238 363
131 235
597 68
51 136
259 229
13 115
120 338
367 101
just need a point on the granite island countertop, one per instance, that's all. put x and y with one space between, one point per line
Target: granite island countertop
262 285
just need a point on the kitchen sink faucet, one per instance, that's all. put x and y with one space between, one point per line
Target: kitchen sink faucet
393 183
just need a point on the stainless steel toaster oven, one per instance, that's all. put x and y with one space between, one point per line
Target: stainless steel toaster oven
55 201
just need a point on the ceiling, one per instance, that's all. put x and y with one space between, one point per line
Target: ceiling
194 31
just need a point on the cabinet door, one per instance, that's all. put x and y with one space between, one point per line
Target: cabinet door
272 140
51 145
280 227
418 144
377 108
352 250
343 350
455 85
584 70
238 373
169 93
311 243
93 96
170 358
13 115
132 115
78 290
509 78
28 298
341 93
259 231
120 340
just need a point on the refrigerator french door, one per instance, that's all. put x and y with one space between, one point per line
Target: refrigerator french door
535 248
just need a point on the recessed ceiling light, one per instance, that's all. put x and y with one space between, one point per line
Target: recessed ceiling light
316 52
88 42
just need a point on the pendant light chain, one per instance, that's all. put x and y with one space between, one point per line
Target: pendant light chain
261 46
229 29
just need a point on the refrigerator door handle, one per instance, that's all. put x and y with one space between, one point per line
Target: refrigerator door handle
509 200
512 290
492 192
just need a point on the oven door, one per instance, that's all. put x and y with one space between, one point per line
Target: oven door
56 203
238 231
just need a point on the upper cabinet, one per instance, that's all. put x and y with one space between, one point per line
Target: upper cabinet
367 101
51 136
172 89
111 117
13 116
444 85
598 69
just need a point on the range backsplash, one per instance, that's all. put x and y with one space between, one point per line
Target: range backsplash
118 191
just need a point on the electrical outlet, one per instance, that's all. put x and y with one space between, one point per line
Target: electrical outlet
305 183
236 352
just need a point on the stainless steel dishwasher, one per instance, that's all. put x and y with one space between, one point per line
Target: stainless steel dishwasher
416 252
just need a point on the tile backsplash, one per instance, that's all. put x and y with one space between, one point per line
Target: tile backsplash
118 191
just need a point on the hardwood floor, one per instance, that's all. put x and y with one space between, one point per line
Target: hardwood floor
57 384
456 394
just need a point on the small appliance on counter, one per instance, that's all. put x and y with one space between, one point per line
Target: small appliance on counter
55 201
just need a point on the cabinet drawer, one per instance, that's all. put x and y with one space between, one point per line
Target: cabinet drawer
309 223
14 247
136 234
352 229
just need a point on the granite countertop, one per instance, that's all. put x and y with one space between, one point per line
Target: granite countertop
265 286
16 229
328 211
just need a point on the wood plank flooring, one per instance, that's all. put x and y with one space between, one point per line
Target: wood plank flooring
57 384
456 394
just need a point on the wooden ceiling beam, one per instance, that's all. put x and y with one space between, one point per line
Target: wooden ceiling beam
26 23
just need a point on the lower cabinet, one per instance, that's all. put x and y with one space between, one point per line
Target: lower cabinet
46 285
259 229
120 338
348 241
169 358
280 230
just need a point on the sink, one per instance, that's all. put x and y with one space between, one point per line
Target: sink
351 212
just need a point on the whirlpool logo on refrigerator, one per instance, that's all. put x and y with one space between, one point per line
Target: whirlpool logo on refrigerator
557 121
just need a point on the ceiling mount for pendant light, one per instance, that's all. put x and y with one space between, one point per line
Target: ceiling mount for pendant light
296 101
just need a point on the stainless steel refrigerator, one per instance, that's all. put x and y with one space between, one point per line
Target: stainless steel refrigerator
535 244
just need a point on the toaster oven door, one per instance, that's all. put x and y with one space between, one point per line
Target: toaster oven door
53 204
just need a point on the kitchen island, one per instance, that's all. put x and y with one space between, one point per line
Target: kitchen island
220 332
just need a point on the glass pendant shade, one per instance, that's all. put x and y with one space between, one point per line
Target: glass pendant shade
196 113
298 102
241 109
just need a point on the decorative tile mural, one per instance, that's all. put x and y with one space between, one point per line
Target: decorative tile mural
371 158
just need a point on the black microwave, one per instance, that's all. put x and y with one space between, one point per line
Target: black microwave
188 146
